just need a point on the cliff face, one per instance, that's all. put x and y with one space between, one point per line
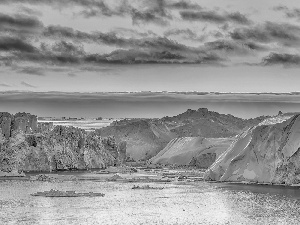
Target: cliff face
195 151
60 148
268 152
22 122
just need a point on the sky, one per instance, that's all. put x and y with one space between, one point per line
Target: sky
145 104
149 45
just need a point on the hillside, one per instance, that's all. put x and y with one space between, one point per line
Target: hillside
268 152
146 137
193 151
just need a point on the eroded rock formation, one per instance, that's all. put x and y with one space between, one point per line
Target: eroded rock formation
21 122
24 146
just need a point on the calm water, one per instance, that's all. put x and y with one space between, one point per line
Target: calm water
199 203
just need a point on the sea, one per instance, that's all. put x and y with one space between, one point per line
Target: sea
177 203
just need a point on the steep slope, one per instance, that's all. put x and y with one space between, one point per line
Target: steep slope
195 151
268 152
144 138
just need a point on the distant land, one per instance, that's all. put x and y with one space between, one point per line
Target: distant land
147 104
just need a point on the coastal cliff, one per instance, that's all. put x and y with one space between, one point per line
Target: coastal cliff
22 148
266 153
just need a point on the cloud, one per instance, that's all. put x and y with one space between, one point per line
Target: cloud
29 11
20 23
15 44
38 71
4 85
71 74
27 84
283 33
185 33
111 38
281 59
289 13
233 47
149 16
184 5
215 17
134 56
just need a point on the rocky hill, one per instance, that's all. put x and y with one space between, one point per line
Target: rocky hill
268 152
194 151
26 146
146 137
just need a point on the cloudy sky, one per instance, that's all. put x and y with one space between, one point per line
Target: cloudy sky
150 45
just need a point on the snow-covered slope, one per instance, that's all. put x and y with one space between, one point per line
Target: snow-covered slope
268 152
198 151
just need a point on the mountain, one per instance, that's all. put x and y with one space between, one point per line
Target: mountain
25 146
268 152
147 137
144 137
193 151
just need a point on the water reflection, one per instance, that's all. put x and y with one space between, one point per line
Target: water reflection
201 203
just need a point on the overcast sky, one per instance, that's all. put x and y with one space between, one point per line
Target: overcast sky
155 45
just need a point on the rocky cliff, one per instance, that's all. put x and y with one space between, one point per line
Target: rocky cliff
194 151
58 148
23 122
268 152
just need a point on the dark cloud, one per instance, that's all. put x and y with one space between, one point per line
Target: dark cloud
185 33
134 33
38 71
284 34
184 5
68 48
233 47
289 13
149 16
161 50
111 38
135 56
215 17
239 18
20 23
281 59
15 44
27 84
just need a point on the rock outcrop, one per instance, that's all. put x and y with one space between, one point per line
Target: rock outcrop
194 151
266 153
62 148
5 123
20 122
